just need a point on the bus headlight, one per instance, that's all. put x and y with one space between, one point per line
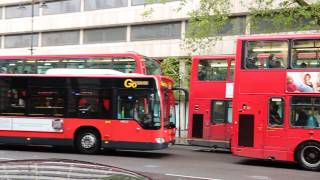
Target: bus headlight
159 140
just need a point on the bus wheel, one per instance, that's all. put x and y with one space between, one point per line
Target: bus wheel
88 141
308 155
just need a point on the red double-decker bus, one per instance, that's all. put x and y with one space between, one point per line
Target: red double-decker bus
124 62
87 110
277 99
210 101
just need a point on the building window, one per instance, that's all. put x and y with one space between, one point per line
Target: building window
21 11
269 25
212 70
156 31
60 38
235 26
20 40
105 35
60 7
276 112
266 55
142 2
104 4
305 112
1 9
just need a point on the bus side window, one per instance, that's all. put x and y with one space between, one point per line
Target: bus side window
46 102
305 111
276 112
13 96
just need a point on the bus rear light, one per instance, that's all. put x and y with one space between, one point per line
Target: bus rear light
159 140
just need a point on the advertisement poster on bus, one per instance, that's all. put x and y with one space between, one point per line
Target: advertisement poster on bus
303 82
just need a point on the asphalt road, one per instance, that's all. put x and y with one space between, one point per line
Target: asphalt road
177 162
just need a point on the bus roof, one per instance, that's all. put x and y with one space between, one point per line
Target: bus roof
277 36
64 71
81 75
230 56
128 54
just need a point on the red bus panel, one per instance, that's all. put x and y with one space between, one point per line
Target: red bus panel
211 91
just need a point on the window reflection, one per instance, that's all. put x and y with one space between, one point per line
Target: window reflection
306 54
40 66
305 112
142 106
212 70
266 54
276 112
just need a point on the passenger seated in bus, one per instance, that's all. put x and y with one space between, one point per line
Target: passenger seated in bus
303 65
277 64
302 117
274 117
312 121
86 105
272 63
251 63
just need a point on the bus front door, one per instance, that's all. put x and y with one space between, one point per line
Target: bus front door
275 133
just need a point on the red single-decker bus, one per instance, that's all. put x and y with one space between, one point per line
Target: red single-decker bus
87 110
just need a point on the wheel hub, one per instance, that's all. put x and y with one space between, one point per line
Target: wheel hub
88 141
311 156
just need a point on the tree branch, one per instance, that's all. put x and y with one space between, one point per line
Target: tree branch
302 2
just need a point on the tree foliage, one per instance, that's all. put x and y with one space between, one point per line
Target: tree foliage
207 20
171 67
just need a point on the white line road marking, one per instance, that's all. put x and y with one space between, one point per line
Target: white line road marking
259 177
6 159
151 166
191 177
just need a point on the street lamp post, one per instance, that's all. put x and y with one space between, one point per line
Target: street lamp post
32 36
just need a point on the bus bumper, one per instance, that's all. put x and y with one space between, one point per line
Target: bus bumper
135 145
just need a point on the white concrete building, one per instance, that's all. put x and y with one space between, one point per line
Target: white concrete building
101 26
105 26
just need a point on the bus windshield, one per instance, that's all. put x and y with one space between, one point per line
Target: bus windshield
152 66
141 105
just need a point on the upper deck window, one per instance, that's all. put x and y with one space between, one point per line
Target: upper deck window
212 70
232 66
306 53
40 66
266 54
152 66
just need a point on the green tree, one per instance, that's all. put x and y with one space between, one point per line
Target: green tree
206 22
171 67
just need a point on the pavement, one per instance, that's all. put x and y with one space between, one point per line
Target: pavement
181 141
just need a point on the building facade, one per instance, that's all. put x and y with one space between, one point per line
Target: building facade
103 26
106 26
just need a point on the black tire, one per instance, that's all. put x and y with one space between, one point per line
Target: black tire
308 156
88 141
